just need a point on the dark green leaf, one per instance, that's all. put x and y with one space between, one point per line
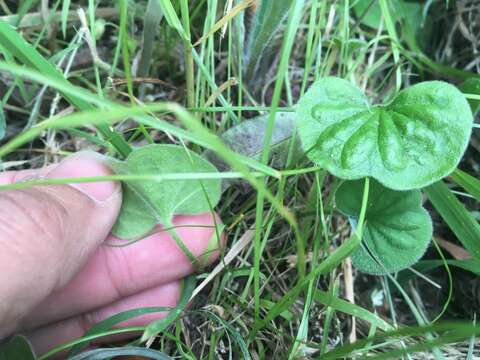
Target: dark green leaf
147 203
17 348
459 219
397 228
371 15
409 143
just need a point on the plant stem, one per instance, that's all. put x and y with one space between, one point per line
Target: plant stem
187 45
173 233
363 211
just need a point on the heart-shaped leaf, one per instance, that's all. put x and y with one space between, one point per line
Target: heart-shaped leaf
147 202
247 139
397 228
409 143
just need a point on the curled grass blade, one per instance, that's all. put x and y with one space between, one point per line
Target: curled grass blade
158 326
109 353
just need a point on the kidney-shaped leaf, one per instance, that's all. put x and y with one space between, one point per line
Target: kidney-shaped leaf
410 143
397 228
147 202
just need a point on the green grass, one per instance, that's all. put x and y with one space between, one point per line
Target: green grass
283 295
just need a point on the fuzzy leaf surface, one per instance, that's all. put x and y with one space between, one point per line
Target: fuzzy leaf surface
247 139
147 202
397 228
407 144
267 19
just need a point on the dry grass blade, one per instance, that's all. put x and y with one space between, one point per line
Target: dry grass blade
244 4
244 240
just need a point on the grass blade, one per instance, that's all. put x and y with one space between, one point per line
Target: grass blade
458 218
3 122
25 53
134 351
351 309
468 182
158 326
328 264
453 332
108 323
153 16
64 17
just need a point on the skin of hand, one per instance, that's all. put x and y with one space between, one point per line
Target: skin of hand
58 274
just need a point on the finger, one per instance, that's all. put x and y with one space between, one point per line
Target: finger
116 272
47 234
9 177
49 336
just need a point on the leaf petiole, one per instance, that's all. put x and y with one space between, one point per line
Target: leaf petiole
363 210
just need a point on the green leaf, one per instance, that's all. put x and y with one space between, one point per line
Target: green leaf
371 15
147 203
472 86
17 348
267 19
459 219
247 139
397 228
407 144
410 13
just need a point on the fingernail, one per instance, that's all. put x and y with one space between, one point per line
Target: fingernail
87 164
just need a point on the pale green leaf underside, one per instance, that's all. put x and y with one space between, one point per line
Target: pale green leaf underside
147 203
410 143
397 228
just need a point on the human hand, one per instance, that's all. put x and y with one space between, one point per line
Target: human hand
58 278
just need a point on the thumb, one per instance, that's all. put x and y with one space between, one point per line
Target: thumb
47 233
